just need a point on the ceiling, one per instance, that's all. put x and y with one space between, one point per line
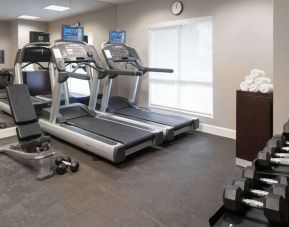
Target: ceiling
10 9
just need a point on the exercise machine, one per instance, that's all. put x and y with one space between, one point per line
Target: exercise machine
81 125
40 81
32 145
118 52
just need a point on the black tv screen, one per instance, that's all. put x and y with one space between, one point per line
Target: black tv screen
36 37
72 33
38 82
117 37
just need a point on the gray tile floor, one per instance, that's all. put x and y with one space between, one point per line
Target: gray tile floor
180 184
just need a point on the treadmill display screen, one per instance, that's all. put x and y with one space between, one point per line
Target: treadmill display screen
71 33
117 37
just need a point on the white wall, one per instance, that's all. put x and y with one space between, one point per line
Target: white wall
24 28
242 40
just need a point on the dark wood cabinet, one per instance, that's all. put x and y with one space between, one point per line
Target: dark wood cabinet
254 123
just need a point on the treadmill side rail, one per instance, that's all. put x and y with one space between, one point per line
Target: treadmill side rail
101 146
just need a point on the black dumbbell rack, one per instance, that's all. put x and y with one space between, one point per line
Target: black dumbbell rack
252 218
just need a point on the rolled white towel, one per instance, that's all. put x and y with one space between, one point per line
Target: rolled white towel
262 80
257 73
250 79
244 86
253 88
266 88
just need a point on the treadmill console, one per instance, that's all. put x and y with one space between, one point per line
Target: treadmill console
73 52
119 53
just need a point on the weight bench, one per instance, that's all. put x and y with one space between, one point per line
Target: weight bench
32 145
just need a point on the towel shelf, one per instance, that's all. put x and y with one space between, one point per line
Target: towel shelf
254 123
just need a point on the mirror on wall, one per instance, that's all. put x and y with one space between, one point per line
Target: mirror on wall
6 78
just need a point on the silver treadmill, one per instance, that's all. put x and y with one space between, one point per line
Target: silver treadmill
81 125
170 124
41 54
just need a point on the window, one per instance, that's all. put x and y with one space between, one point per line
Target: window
186 47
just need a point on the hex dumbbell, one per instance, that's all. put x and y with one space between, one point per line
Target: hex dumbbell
265 160
63 162
247 185
286 131
251 173
275 207
276 152
278 143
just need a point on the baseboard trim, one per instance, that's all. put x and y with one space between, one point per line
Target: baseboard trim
242 162
7 132
219 131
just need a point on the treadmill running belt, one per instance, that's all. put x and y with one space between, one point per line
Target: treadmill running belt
175 121
128 136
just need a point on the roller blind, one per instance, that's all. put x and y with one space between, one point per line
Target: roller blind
185 47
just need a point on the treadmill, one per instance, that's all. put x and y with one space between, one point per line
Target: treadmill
39 82
34 53
81 125
174 124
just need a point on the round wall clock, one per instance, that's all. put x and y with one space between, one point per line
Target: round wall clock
177 7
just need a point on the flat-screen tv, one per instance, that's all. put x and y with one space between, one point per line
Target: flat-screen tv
36 37
72 33
117 37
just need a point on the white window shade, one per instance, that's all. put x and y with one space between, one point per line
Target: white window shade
186 48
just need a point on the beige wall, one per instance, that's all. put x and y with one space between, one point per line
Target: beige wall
281 64
24 28
242 40
5 43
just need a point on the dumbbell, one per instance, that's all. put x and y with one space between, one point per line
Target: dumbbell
286 130
63 162
275 152
251 173
247 185
265 160
279 143
275 207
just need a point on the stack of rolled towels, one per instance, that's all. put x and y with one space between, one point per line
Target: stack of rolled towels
257 81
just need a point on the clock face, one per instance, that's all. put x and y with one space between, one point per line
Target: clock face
177 7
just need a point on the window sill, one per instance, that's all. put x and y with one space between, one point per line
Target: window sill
180 112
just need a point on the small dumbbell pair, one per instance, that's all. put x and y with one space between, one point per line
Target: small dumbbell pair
63 162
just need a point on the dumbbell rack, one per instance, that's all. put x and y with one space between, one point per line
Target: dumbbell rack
253 217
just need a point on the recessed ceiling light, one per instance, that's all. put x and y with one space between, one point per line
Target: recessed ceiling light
56 8
27 17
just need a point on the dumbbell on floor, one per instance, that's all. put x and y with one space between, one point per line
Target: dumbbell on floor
63 162
247 185
265 160
251 173
275 207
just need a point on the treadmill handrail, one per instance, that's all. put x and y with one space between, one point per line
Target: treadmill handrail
113 72
63 76
147 69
